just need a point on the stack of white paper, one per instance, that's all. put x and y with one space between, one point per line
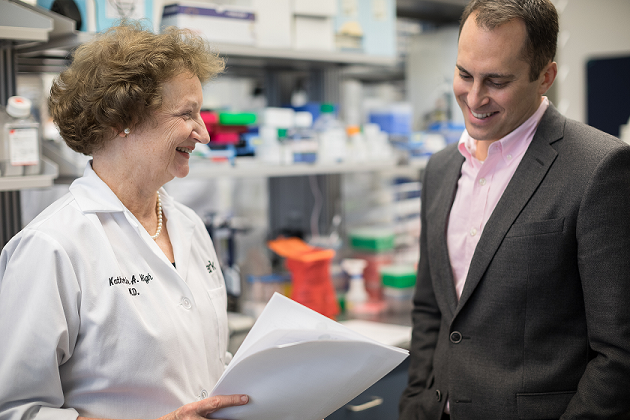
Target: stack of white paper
298 364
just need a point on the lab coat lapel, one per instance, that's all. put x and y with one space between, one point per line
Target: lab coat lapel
531 171
180 231
94 196
437 239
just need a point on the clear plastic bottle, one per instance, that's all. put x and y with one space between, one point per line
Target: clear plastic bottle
331 136
20 147
357 296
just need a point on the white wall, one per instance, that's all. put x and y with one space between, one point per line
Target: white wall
429 71
588 29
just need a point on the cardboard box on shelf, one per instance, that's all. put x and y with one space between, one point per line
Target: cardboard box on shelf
315 8
313 33
273 23
219 23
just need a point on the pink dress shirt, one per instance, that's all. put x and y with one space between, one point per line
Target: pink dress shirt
479 189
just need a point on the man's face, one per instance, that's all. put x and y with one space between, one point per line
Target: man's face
491 81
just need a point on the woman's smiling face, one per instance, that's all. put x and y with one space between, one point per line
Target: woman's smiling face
171 135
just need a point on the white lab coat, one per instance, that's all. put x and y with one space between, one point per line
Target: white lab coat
96 321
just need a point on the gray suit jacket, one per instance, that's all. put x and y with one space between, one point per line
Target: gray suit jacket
542 329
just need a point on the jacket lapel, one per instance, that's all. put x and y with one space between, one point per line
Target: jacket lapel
531 171
436 238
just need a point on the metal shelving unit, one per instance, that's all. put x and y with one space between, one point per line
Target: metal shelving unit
54 37
20 25
244 169
43 180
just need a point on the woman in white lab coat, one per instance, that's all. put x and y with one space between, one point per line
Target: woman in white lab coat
112 302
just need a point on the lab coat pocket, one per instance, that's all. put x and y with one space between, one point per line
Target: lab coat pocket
218 297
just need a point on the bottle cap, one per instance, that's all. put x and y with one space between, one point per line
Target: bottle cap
327 108
19 107
353 129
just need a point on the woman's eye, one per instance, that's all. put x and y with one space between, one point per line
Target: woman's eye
465 76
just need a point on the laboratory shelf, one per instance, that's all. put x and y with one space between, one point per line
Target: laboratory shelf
19 23
44 180
243 168
339 57
54 55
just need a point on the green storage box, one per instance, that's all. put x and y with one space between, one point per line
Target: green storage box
372 239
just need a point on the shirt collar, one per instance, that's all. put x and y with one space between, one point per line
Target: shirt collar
510 146
93 195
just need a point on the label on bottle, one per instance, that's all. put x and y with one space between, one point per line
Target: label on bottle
23 146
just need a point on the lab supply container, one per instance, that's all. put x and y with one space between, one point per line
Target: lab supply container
301 139
232 24
310 274
376 247
399 281
20 146
331 136
356 297
394 119
357 147
260 289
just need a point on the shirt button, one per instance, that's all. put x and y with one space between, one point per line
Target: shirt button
455 337
204 394
186 303
482 181
473 231
509 156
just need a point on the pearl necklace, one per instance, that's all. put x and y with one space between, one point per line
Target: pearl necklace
159 215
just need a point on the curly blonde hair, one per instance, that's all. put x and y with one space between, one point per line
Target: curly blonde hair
115 81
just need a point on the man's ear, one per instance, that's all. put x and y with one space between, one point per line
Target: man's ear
548 76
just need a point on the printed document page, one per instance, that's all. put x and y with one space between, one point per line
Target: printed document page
298 364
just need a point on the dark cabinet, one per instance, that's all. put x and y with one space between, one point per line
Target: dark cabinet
378 402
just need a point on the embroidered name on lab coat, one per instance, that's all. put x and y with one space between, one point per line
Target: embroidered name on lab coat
146 278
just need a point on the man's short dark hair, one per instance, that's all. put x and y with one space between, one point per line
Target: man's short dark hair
540 18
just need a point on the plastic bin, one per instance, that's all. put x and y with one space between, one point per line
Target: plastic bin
310 274
399 281
376 246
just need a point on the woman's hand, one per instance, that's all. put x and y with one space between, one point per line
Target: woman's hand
202 409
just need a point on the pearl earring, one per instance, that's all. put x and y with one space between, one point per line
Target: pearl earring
126 131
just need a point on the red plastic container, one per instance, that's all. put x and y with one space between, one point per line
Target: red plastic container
310 274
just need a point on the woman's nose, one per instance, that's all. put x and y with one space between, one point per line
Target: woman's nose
200 132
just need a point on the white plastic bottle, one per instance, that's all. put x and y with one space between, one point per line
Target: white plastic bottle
357 296
19 139
378 147
268 149
331 136
357 146
302 140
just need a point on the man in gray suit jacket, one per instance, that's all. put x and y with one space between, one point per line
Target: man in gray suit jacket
522 305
